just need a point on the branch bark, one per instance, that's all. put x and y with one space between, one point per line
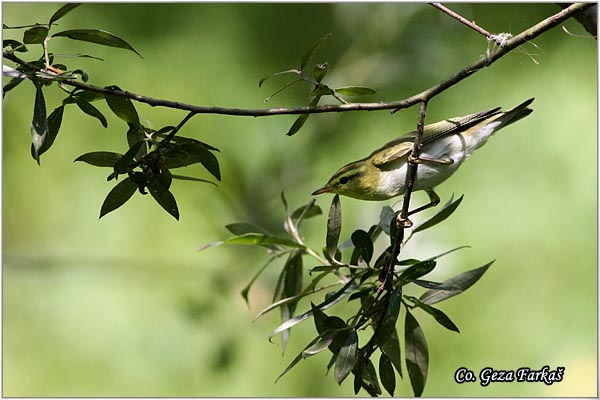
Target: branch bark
425 95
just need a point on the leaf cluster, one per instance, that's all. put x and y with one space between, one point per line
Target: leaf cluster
315 79
151 154
373 283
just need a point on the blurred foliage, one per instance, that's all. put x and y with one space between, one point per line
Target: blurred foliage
127 301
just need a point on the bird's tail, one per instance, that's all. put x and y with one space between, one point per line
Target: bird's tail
511 116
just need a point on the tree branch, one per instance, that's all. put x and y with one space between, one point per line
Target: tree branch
425 95
462 19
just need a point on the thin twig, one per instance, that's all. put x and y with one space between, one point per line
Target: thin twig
462 19
411 171
425 95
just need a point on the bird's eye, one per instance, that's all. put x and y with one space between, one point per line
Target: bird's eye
344 180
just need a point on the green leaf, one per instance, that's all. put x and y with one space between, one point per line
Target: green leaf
334 226
91 111
122 107
14 45
100 158
434 285
313 49
292 286
346 358
444 213
391 348
246 289
54 122
240 228
386 374
322 344
255 239
35 35
298 358
83 95
97 36
355 91
388 324
190 178
164 197
307 211
122 165
363 247
320 317
462 282
289 71
328 302
39 123
417 354
416 271
299 123
61 12
13 83
439 315
369 377
118 196
322 90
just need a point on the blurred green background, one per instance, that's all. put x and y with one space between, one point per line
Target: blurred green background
126 306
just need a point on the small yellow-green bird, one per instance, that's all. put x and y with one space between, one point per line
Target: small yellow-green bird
445 146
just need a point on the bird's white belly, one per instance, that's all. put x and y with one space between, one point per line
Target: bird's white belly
429 174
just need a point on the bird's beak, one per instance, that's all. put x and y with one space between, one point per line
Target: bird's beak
324 189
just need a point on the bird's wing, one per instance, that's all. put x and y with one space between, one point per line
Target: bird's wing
401 146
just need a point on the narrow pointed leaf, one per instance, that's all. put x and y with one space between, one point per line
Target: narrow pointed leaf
346 358
100 158
388 324
439 315
308 211
417 354
386 374
118 196
334 226
54 122
97 36
13 83
313 49
239 228
328 302
64 10
298 358
91 111
256 239
369 378
299 123
462 282
39 123
434 285
416 271
244 292
444 213
289 71
391 348
122 107
122 165
164 197
191 178
355 91
319 317
322 344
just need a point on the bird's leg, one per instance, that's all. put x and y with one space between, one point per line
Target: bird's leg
434 200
